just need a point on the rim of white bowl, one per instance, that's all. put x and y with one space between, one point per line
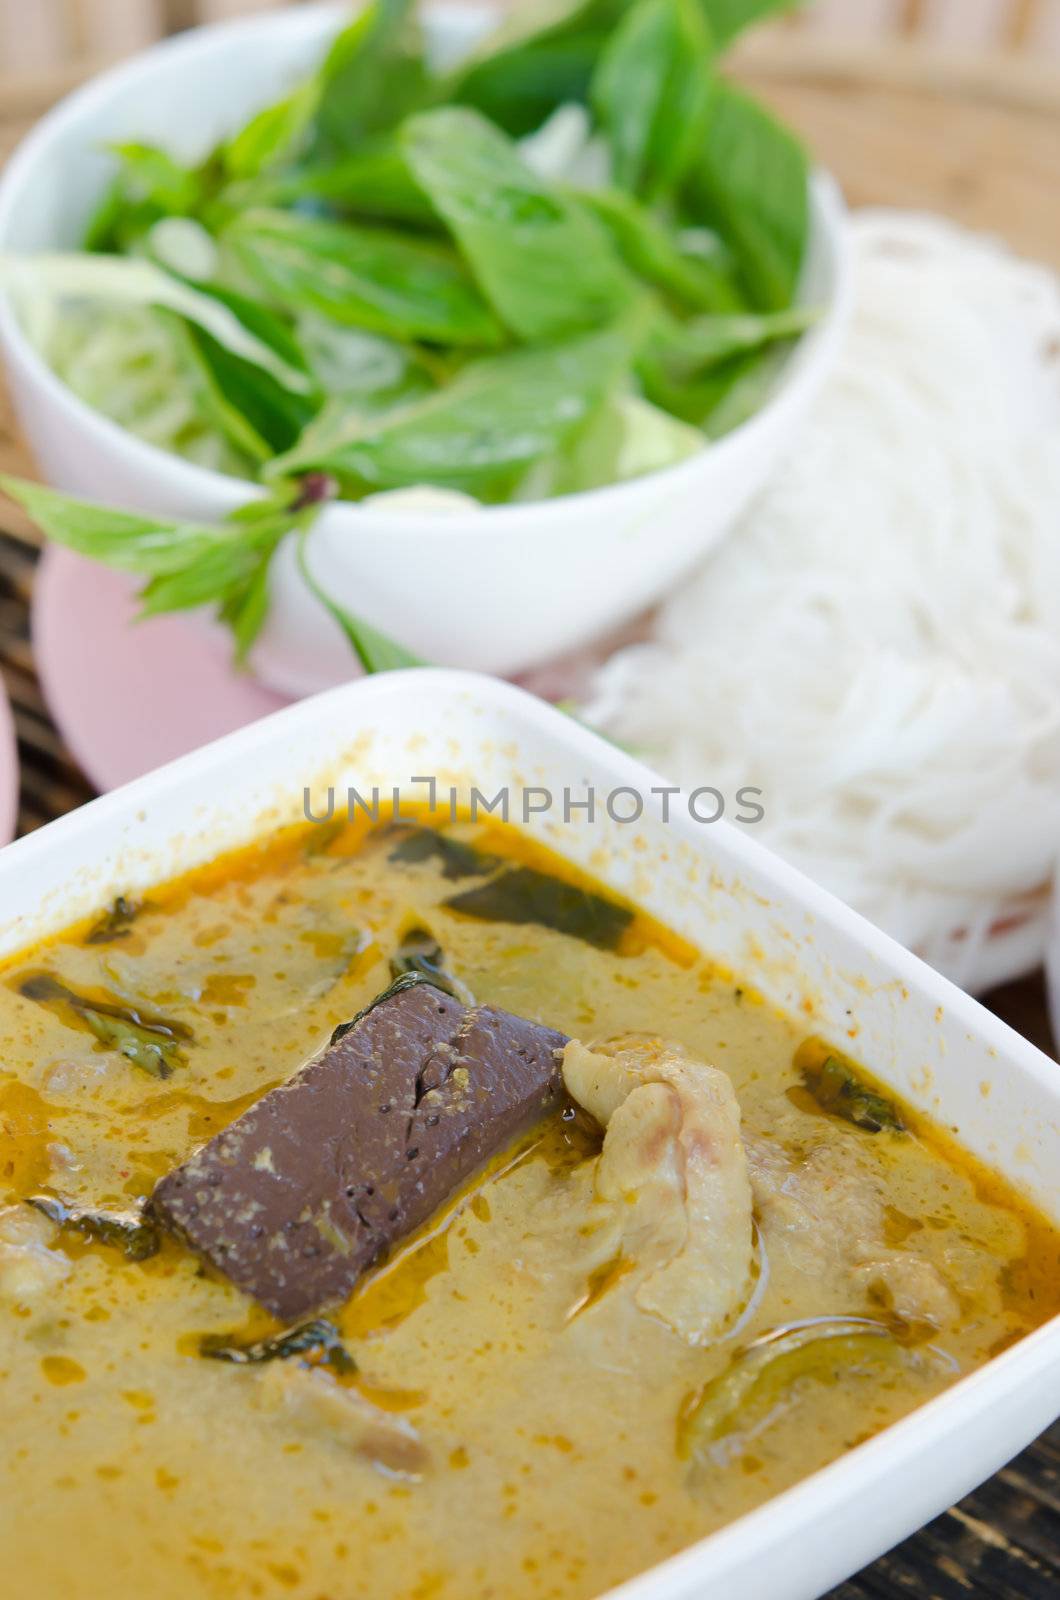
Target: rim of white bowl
805 363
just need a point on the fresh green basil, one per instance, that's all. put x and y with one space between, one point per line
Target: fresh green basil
148 186
370 283
519 88
651 90
375 651
687 348
193 564
694 267
258 414
750 181
364 277
274 135
542 56
151 177
718 398
365 370
372 76
148 546
482 431
255 412
373 182
727 18
543 262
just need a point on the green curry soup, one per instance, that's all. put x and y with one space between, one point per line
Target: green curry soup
598 1351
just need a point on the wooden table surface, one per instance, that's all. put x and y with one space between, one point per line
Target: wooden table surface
986 158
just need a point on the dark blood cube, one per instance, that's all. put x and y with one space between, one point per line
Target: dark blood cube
324 1174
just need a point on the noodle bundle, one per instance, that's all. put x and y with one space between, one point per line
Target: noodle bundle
877 646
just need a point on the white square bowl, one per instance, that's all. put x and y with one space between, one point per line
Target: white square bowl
936 1047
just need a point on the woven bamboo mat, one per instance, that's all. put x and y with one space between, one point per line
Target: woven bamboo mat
987 159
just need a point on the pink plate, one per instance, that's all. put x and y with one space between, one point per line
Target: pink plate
129 697
8 770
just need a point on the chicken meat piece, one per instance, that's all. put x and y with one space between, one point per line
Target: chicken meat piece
825 1216
314 1403
28 1268
674 1172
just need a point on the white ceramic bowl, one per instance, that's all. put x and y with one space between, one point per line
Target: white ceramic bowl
499 589
723 892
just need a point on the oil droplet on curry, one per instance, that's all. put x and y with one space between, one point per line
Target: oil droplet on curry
727 1258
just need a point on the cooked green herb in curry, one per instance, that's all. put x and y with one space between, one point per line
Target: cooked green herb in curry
711 1256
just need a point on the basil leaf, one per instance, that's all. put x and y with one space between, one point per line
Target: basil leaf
268 326
137 1236
481 432
146 545
727 18
627 438
650 92
274 134
115 923
542 260
104 224
374 650
365 370
746 383
232 574
686 348
535 62
148 185
751 182
257 414
420 952
524 895
519 89
535 20
363 277
314 1344
838 1091
372 182
372 76
190 564
720 397
187 564
835 1086
246 608
456 858
219 573
151 177
152 1043
655 252
716 372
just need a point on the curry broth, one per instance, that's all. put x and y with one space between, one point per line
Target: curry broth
533 1424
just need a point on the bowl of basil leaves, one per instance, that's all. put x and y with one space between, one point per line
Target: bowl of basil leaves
480 331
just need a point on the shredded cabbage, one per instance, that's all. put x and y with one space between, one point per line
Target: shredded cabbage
35 281
131 364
